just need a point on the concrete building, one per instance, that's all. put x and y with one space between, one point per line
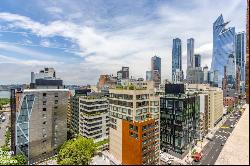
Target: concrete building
94 116
203 124
195 75
41 123
177 76
122 74
215 101
134 126
74 124
156 70
206 75
148 75
179 119
156 78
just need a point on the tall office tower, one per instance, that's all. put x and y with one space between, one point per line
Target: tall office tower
75 107
177 74
156 65
179 127
93 116
215 102
247 54
190 53
223 46
125 72
148 75
134 126
119 77
240 52
197 60
237 82
41 123
156 77
205 72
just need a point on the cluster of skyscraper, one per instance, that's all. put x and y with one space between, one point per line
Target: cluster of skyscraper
130 112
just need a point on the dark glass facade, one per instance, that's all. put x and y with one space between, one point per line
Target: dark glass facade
179 120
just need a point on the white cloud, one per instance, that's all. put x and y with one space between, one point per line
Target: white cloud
138 38
54 10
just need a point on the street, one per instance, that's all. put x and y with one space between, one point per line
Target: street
212 149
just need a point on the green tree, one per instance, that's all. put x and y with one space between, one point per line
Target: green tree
77 151
20 159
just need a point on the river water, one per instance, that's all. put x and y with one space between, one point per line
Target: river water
4 94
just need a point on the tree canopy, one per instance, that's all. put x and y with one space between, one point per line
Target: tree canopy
77 151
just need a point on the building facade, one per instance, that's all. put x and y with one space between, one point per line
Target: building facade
93 116
215 102
190 53
179 120
195 75
148 75
156 66
134 126
41 123
177 61
197 60
223 46
247 54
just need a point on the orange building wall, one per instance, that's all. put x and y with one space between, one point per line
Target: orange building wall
18 98
132 147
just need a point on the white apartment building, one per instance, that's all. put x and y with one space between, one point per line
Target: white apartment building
93 117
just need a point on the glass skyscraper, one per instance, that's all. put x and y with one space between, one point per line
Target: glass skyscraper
190 52
156 65
197 60
240 52
176 57
223 46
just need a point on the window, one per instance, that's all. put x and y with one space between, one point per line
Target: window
44 109
44 122
44 94
44 102
56 101
55 107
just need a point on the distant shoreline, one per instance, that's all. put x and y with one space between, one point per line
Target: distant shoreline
5 94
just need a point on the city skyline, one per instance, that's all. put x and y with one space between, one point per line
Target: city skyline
94 40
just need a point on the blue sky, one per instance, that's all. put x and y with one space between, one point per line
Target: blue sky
82 39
